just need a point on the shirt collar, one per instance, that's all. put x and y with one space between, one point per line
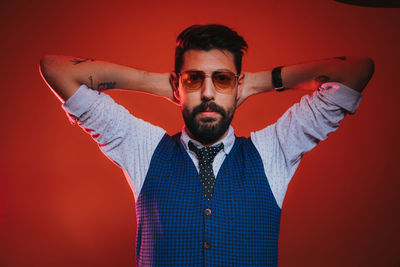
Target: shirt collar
228 140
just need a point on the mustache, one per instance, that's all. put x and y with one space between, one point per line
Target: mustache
208 106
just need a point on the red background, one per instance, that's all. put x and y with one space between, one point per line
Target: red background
63 203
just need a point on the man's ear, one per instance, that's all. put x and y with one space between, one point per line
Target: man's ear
174 81
240 85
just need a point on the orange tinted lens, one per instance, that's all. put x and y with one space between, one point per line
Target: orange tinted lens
192 80
224 80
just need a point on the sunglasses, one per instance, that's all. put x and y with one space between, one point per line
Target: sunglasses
224 81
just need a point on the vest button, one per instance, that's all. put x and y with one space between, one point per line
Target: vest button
207 212
207 245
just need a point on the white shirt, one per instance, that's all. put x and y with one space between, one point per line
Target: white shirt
130 142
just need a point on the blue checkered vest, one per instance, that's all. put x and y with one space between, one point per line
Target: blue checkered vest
177 226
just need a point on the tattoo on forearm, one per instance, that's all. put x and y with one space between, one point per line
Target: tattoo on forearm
91 81
106 85
322 79
77 61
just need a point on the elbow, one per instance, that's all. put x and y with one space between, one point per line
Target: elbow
52 68
367 69
45 66
44 62
366 66
370 67
360 72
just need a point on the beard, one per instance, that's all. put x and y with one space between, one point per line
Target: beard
208 130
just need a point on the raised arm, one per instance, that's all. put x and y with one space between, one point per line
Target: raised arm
64 75
354 72
282 144
125 139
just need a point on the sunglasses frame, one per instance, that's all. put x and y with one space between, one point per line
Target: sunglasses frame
211 76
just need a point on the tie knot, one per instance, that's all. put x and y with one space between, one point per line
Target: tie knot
206 154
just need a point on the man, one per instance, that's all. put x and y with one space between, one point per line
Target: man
205 197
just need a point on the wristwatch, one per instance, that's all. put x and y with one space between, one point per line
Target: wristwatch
277 79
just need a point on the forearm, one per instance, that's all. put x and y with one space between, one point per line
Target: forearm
65 74
355 72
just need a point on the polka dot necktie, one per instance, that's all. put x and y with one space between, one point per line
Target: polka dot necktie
206 157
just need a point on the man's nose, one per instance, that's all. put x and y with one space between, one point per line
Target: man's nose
208 89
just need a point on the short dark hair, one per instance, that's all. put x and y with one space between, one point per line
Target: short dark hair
207 37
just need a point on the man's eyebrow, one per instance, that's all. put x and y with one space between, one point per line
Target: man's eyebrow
225 70
212 71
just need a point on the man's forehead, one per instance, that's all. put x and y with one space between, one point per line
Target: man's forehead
210 60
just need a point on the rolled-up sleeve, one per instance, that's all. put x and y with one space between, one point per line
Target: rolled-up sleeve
80 102
299 129
128 141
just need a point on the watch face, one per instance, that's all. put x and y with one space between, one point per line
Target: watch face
372 3
277 78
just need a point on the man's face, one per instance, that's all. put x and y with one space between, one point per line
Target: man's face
208 112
